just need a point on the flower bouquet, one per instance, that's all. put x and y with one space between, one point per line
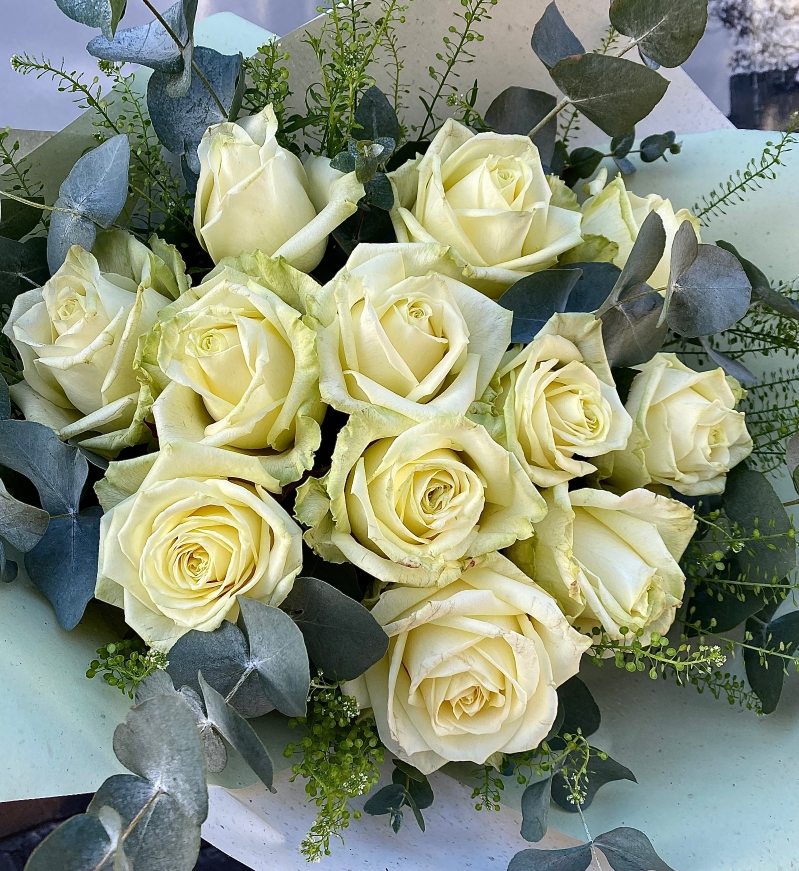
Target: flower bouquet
382 430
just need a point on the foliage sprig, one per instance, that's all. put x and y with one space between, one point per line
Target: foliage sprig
125 664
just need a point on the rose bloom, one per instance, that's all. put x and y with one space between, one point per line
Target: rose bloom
186 531
617 214
77 338
254 195
413 503
238 368
486 196
689 434
471 669
609 560
558 402
398 330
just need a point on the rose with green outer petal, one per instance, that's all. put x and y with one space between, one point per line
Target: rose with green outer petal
398 330
238 368
414 503
253 194
471 669
610 561
485 196
557 402
198 530
618 214
77 338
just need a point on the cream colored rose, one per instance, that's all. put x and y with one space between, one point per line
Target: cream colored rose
609 560
77 338
689 434
487 197
198 530
254 195
398 330
618 214
238 368
471 669
414 503
558 403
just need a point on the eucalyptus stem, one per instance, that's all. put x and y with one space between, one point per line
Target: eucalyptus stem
34 205
200 75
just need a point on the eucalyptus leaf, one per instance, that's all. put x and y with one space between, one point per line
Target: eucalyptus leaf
58 471
727 609
667 30
417 813
149 44
79 844
584 161
751 502
376 116
213 745
629 850
767 676
223 657
626 167
599 772
278 654
535 810
342 637
159 742
730 366
237 732
180 122
646 254
571 859
553 39
8 568
103 14
164 839
21 525
620 145
518 110
652 64
632 330
708 289
762 291
593 287
613 93
389 798
580 709
18 219
23 266
379 192
419 790
92 195
535 298
655 146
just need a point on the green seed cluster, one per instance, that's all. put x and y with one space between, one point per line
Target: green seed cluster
341 752
125 664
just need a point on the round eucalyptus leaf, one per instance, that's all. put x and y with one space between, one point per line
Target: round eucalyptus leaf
79 844
389 798
571 859
104 14
535 298
376 117
620 145
580 711
21 525
668 30
553 39
630 850
766 675
598 773
535 810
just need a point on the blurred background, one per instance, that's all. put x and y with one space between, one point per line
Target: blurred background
747 62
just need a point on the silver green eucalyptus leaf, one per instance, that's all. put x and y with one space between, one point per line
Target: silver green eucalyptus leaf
104 14
518 110
630 850
376 117
79 844
632 329
21 525
570 859
278 654
159 742
535 810
238 733
553 39
667 31
92 195
612 92
730 366
181 122
535 298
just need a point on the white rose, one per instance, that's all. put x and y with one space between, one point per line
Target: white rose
254 195
689 434
487 197
618 214
198 529
77 338
558 402
238 368
398 330
609 560
471 669
414 503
